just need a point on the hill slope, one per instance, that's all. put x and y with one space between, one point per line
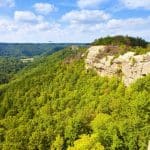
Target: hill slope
57 104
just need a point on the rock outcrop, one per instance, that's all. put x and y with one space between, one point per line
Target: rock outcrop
127 66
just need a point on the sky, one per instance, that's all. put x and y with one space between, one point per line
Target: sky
72 20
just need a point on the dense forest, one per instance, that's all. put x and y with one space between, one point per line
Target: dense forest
56 104
32 49
8 67
121 40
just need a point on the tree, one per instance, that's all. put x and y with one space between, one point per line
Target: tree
87 142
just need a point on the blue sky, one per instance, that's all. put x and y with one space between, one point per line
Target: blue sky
72 20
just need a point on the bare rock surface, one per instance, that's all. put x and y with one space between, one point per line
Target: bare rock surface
128 66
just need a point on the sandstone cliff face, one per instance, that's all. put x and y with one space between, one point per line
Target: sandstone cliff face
128 66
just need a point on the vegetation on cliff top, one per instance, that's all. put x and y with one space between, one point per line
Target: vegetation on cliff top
118 45
121 40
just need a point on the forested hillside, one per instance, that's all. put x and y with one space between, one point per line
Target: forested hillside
57 105
31 49
8 67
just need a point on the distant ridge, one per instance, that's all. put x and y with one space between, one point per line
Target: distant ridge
32 49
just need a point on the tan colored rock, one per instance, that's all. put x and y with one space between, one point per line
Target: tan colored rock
146 68
148 145
139 58
94 51
129 65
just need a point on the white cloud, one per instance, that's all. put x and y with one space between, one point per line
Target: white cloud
44 8
130 26
21 28
7 3
133 4
7 25
40 32
26 16
131 23
89 3
85 16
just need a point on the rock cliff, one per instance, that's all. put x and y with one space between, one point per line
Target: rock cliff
127 66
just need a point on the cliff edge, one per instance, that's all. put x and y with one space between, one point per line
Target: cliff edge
128 66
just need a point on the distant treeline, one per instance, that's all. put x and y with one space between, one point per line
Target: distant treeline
31 49
121 40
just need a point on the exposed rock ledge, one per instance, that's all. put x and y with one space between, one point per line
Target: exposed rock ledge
128 66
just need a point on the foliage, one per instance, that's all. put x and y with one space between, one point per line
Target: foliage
31 49
121 40
8 67
57 104
87 142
